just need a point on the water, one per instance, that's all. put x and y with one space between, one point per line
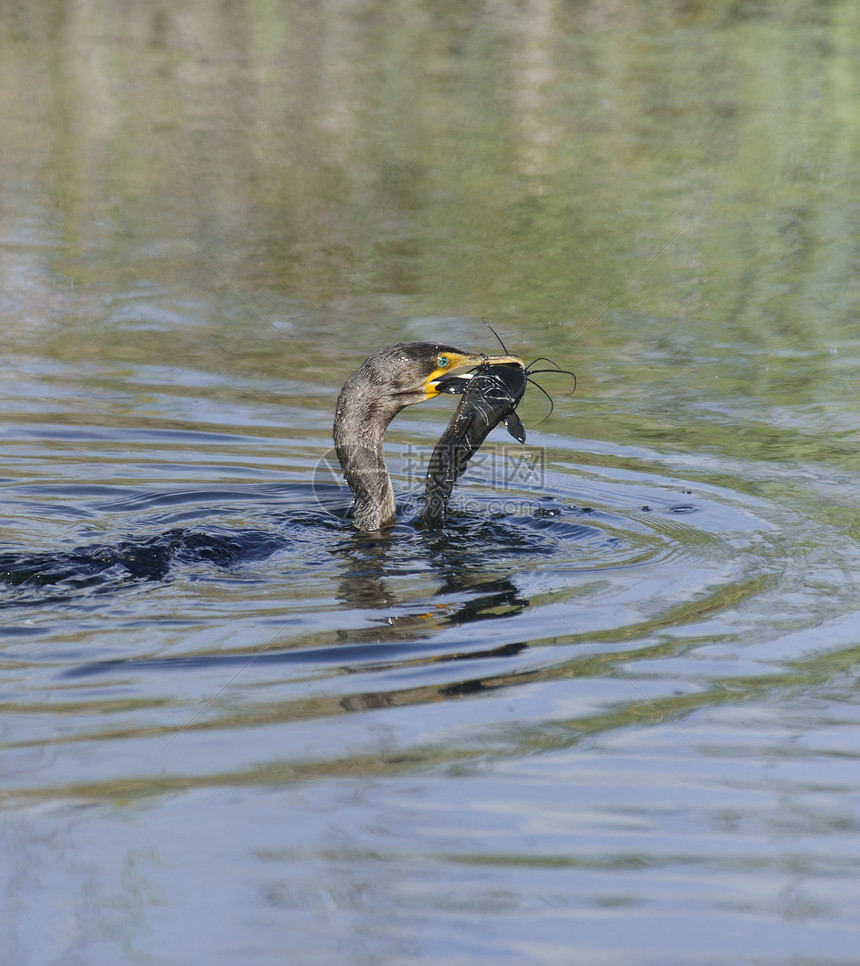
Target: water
609 714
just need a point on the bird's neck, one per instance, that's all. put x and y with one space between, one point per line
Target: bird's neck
359 426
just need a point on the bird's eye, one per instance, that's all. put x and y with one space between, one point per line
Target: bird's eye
443 362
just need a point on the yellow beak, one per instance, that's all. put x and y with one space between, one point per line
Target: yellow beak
466 360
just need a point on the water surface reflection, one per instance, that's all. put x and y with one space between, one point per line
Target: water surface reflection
609 715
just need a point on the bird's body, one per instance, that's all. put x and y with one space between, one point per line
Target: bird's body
388 381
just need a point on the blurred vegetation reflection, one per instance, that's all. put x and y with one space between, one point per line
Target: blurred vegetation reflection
353 163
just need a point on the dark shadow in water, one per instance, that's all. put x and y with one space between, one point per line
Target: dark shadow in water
378 653
97 565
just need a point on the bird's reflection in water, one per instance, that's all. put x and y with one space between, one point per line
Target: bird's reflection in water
463 597
363 585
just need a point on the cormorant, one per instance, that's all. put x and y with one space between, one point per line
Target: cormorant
389 380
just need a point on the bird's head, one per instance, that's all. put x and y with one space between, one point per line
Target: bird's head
412 372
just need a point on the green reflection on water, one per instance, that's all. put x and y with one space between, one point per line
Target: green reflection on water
455 160
353 173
